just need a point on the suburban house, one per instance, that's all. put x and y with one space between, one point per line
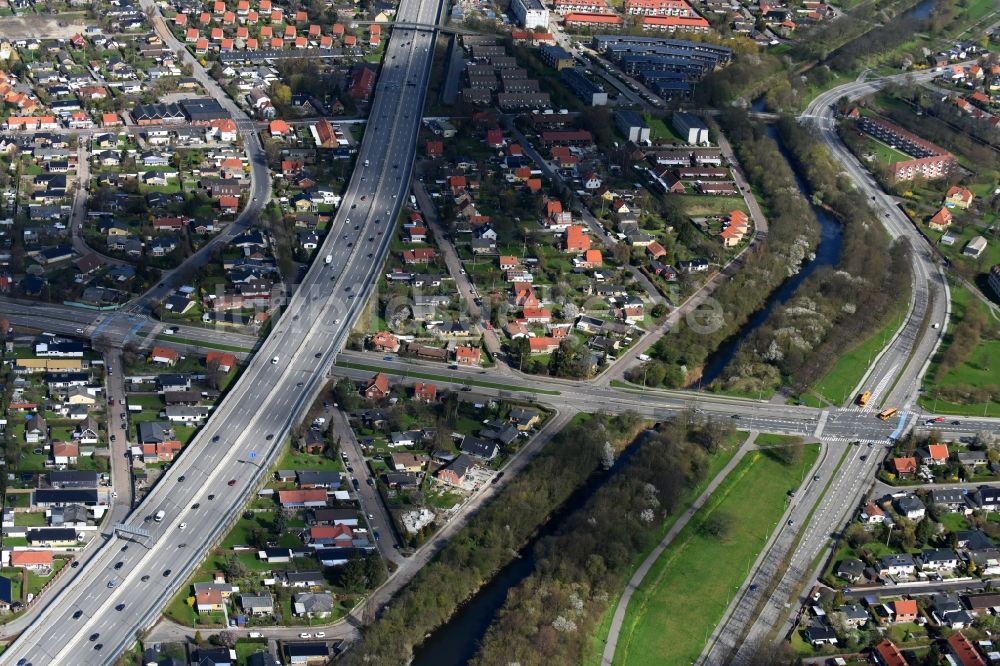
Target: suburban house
164 356
39 561
377 387
898 564
910 507
938 559
65 453
934 454
904 610
257 604
941 220
887 654
958 197
872 514
208 601
904 467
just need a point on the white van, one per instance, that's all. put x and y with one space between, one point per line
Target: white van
160 515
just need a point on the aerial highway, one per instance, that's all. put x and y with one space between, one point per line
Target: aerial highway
126 584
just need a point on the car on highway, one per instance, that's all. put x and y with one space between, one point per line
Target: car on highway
195 506
144 578
305 634
231 482
94 637
215 438
270 435
166 573
377 535
320 634
112 583
274 361
182 526
113 438
211 497
75 564
356 484
76 615
120 607
956 423
180 479
119 565
99 647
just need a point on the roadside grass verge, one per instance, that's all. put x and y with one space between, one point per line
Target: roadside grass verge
202 343
691 584
441 378
837 384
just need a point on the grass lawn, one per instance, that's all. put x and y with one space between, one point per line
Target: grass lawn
716 463
661 131
886 154
977 370
669 618
202 343
769 439
841 379
299 461
35 519
697 205
36 583
426 375
954 522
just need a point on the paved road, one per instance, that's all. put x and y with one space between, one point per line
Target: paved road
408 567
462 282
79 212
894 379
267 400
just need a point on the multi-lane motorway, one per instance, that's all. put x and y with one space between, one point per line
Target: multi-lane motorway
204 490
125 585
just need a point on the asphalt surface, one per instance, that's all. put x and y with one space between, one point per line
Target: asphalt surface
255 417
894 379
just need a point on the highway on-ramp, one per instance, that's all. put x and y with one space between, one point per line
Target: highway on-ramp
202 493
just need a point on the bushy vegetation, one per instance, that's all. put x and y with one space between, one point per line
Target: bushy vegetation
792 234
833 310
490 540
548 617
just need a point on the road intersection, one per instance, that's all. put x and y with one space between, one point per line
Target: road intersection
248 428
228 457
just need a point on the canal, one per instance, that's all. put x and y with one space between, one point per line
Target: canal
831 241
457 641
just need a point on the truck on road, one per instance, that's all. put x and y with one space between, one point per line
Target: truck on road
160 515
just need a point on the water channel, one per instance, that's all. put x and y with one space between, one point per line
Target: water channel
457 641
827 254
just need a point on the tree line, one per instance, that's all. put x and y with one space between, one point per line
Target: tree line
834 309
551 617
489 541
792 233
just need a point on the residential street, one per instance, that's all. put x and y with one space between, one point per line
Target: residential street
462 282
346 627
